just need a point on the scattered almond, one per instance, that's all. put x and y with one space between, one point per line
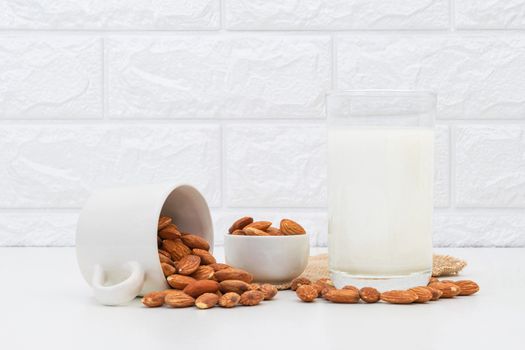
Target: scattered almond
424 294
369 295
306 292
298 282
350 287
436 293
178 299
179 281
467 287
448 289
153 299
399 296
251 298
229 300
233 274
235 286
269 291
206 301
198 288
344 296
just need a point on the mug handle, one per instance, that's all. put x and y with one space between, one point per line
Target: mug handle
121 292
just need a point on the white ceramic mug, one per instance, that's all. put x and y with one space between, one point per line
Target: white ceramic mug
117 237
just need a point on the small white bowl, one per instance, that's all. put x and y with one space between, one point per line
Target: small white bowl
272 259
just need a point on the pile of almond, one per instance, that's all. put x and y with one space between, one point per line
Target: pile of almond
245 226
436 289
196 277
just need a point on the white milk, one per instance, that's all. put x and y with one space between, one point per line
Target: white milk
380 201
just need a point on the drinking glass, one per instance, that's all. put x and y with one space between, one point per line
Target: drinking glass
380 180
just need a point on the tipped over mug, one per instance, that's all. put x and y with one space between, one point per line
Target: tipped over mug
116 239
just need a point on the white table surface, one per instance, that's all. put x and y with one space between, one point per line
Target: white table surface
46 304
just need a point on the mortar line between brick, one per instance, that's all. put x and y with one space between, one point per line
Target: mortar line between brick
452 167
222 165
105 89
333 49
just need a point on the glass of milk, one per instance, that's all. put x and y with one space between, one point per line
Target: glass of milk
380 179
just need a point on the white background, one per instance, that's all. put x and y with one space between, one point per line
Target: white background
229 96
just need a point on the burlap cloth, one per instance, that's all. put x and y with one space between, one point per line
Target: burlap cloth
442 265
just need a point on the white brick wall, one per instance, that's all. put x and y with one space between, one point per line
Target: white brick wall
229 95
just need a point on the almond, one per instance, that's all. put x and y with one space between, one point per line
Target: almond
350 287
255 286
369 295
268 290
167 269
343 296
153 299
432 280
188 264
324 282
260 225
206 257
238 233
179 281
198 288
206 300
166 260
436 293
306 292
319 288
326 289
299 281
219 266
274 231
289 227
176 248
233 274
467 287
159 242
235 286
179 299
399 296
203 272
448 289
164 221
194 241
252 231
229 300
424 294
165 253
240 224
251 298
170 232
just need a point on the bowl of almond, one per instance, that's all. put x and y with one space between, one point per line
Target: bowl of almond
271 254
